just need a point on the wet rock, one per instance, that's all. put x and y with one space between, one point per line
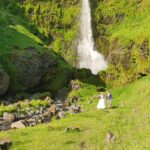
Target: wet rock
75 108
109 137
4 81
17 125
5 144
72 128
8 117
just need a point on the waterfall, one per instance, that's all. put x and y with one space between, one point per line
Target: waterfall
88 56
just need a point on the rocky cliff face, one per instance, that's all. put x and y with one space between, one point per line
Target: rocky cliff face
56 23
4 81
121 31
27 29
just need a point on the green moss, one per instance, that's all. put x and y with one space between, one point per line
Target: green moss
56 23
8 109
124 28
37 103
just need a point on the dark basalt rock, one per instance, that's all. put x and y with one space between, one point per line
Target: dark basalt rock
4 81
30 66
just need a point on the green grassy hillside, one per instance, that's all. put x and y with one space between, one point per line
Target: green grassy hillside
128 121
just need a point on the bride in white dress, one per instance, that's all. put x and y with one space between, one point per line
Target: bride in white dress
101 102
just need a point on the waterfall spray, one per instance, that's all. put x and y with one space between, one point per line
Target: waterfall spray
88 57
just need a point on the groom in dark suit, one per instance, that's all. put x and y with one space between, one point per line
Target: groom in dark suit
109 99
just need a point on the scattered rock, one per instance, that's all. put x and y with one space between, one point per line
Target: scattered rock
83 146
8 117
75 99
74 84
109 137
17 125
76 129
53 109
30 115
46 117
5 144
4 125
61 114
75 108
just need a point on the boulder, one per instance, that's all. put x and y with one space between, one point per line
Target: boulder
8 117
61 114
4 125
109 137
48 100
52 110
74 84
4 81
5 144
31 66
17 125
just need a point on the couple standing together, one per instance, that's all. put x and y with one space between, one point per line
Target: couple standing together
101 103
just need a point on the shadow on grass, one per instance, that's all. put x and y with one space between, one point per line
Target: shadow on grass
70 142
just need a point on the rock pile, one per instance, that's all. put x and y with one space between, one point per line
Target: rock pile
31 116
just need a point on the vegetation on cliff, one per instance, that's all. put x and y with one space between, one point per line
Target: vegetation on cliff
121 31
56 23
28 30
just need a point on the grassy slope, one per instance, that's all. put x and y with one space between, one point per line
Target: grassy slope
129 122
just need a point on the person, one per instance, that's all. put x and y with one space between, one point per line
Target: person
109 99
101 102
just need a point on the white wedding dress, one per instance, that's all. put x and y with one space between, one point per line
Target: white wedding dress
101 103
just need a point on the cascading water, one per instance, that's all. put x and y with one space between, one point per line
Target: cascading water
88 57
